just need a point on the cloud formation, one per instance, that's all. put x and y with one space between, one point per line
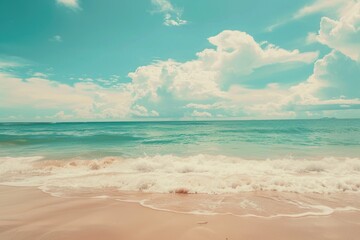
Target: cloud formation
203 79
330 7
172 15
198 114
321 6
8 64
72 4
235 53
78 101
343 35
209 86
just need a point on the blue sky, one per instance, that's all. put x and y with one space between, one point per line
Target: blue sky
90 60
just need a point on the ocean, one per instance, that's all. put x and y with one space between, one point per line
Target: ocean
247 139
214 158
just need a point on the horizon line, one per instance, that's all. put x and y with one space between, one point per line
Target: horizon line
193 120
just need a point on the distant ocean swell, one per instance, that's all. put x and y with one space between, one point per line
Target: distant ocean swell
203 174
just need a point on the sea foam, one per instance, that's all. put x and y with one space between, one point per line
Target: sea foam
206 174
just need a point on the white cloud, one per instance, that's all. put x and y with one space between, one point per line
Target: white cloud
59 116
39 75
82 100
12 62
217 105
197 87
235 53
333 83
268 102
330 7
332 86
196 113
343 34
8 64
238 52
141 111
73 4
172 15
319 6
311 38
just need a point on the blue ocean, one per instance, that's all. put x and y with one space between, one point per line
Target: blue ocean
261 140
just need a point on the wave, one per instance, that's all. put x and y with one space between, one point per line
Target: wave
206 174
223 185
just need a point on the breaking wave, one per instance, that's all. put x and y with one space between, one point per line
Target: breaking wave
202 174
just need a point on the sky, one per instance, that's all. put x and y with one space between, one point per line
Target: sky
110 60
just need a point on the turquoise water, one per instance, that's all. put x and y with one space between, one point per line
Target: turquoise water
227 157
248 139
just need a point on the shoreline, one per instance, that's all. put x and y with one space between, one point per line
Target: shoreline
28 213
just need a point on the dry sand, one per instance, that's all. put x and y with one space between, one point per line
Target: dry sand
28 213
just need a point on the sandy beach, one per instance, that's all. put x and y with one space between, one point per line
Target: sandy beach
28 213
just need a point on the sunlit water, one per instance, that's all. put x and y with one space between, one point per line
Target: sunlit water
232 166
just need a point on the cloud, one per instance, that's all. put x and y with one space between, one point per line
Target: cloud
238 52
196 113
56 38
320 6
72 4
217 105
210 85
141 111
330 7
172 15
39 75
338 77
311 38
59 116
235 53
82 100
8 64
343 34
332 86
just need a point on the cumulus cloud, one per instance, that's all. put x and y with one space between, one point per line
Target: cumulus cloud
72 4
82 100
235 52
332 86
336 77
343 34
172 15
197 88
238 52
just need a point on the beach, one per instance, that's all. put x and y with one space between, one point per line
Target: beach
28 213
180 180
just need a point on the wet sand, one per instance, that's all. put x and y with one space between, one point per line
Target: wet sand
28 213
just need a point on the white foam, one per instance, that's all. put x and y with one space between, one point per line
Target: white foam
193 174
